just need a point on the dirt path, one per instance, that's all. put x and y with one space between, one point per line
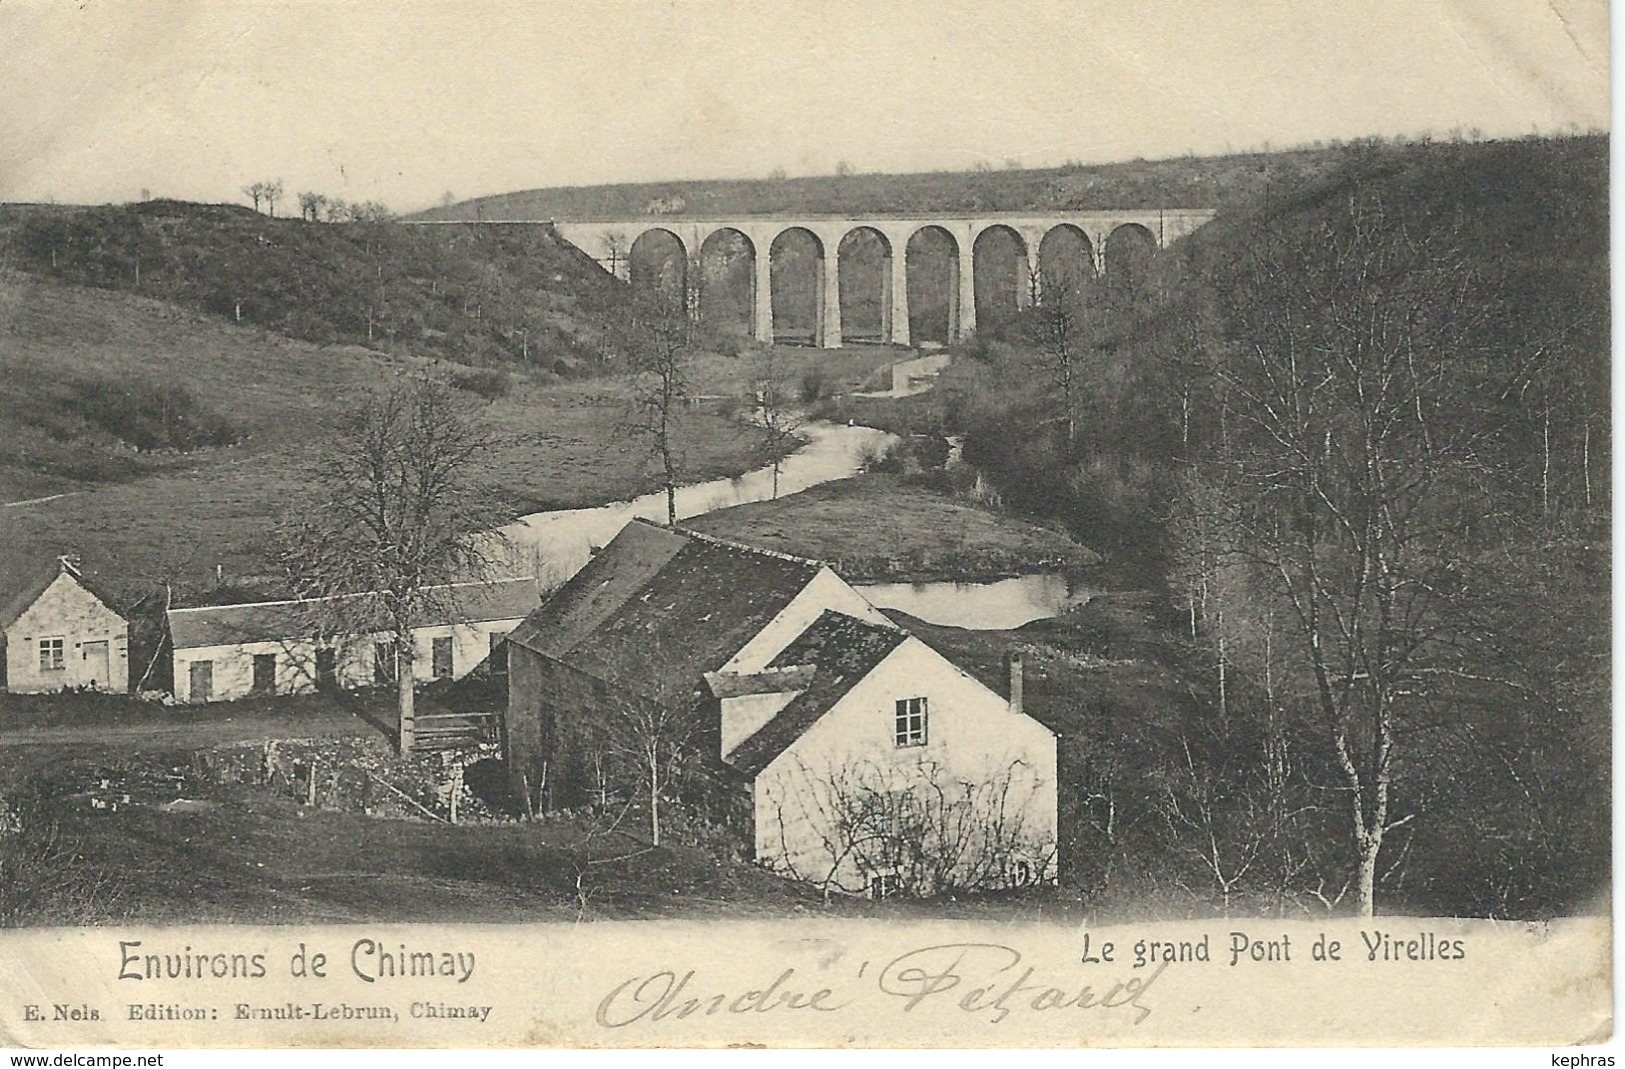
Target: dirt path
38 500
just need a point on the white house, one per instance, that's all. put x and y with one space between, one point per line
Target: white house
60 634
222 652
865 761
876 765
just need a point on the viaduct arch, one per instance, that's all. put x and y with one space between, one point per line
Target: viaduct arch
1111 240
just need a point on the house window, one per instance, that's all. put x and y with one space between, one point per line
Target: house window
50 655
909 728
440 656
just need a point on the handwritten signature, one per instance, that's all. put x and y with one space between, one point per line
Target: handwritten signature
976 978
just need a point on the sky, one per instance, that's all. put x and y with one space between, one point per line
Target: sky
403 102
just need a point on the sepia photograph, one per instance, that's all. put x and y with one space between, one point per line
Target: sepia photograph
843 524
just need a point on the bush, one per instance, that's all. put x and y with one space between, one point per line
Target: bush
150 415
873 458
488 382
730 405
44 878
906 456
815 386
927 451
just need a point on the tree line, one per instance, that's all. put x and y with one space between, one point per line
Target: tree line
317 207
1355 437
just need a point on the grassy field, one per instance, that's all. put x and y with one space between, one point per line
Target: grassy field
891 528
139 518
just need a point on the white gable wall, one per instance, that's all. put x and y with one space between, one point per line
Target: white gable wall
68 611
825 590
232 666
973 738
744 716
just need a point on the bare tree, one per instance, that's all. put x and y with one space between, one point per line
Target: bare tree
777 414
1354 451
916 829
273 194
1056 328
370 211
659 341
255 191
311 205
616 248
600 843
655 739
394 515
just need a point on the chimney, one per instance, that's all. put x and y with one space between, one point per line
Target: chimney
1013 659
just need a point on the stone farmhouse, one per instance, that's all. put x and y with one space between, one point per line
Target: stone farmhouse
842 749
223 652
59 633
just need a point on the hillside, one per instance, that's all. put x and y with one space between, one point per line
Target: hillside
1397 369
476 295
1530 219
91 373
1187 182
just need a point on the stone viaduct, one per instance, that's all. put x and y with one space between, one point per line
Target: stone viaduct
612 242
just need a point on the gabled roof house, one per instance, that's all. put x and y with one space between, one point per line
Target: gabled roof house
61 633
824 721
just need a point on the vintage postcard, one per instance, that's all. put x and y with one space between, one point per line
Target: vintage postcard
689 525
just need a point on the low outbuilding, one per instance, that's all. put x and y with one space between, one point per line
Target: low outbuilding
223 652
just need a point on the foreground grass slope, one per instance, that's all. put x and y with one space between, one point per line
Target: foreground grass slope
161 827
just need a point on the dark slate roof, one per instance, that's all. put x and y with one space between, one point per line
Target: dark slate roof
276 621
844 649
35 581
658 608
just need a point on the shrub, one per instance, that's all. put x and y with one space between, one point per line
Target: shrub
488 382
888 459
44 878
815 385
150 415
927 451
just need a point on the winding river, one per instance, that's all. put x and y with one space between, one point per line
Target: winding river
562 541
